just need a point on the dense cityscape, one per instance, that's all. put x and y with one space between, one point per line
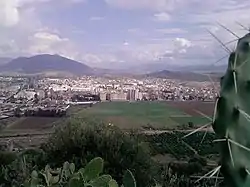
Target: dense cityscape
20 96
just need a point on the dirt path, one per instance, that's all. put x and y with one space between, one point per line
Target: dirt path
24 140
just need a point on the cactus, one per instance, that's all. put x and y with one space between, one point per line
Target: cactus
90 176
129 180
232 117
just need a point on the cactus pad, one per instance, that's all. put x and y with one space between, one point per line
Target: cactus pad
232 117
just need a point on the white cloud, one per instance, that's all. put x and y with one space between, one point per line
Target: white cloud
171 31
9 14
96 18
44 42
10 10
163 16
182 42
139 4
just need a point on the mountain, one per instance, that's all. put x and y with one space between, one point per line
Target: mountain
46 63
158 66
206 68
4 60
184 75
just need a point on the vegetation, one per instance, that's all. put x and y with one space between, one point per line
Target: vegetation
172 143
90 175
44 113
79 143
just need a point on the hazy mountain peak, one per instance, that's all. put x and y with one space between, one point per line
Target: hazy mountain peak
46 62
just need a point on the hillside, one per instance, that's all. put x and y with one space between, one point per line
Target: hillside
182 75
46 63
159 66
4 60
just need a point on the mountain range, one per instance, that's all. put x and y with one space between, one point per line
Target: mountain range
4 60
158 66
46 64
185 76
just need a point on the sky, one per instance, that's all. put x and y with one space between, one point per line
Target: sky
122 33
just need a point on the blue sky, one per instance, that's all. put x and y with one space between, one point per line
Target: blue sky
121 33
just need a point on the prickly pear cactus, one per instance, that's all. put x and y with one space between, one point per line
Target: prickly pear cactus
232 117
128 180
89 176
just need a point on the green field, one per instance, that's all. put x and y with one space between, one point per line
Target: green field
129 115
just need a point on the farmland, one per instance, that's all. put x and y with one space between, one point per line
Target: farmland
126 115
30 131
157 115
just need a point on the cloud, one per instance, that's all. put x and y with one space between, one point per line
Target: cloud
96 18
7 48
10 10
125 43
138 32
182 42
44 42
186 37
171 31
177 31
163 16
142 4
20 26
9 14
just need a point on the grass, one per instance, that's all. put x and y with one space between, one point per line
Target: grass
129 115
196 120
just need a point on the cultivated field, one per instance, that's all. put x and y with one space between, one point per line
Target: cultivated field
31 131
194 108
158 115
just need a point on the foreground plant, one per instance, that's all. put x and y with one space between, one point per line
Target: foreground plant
89 176
232 119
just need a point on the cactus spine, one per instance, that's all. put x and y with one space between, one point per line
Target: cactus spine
232 117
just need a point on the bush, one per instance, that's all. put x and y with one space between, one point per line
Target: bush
79 143
7 157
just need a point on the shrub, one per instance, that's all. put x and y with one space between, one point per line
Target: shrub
80 142
7 157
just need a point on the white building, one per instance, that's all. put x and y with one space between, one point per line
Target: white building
25 94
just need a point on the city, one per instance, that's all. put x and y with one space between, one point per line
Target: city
27 94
